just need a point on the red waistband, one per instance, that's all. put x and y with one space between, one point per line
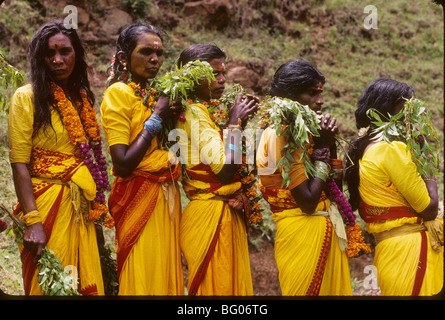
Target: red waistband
373 213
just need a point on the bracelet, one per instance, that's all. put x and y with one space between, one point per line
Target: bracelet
32 217
145 138
321 170
336 163
234 148
153 125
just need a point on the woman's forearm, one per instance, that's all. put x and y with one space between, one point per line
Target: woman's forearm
23 187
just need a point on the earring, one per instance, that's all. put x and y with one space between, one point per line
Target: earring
125 67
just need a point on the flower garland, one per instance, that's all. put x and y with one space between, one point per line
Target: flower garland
248 181
148 95
84 132
356 243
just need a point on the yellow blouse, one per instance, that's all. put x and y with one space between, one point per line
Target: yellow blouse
123 115
269 153
36 149
20 129
202 143
388 178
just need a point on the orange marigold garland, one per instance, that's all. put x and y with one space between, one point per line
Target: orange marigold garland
84 131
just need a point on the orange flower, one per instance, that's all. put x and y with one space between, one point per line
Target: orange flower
82 127
109 222
356 243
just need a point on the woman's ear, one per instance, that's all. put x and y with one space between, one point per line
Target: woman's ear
122 57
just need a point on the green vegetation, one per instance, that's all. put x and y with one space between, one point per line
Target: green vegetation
258 35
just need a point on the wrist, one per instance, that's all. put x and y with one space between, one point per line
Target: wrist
31 217
322 170
153 124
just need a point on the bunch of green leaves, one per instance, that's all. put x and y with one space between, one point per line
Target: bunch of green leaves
10 78
181 82
299 123
228 98
52 278
412 126
226 101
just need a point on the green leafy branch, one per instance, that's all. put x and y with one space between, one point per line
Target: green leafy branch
298 122
181 82
412 125
11 78
52 278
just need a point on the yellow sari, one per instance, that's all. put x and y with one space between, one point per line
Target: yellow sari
213 236
307 250
406 263
57 174
146 205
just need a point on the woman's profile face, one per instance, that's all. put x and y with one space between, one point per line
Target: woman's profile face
216 88
60 58
147 57
312 97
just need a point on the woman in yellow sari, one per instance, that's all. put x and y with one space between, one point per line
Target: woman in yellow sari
213 234
51 125
145 199
397 204
309 257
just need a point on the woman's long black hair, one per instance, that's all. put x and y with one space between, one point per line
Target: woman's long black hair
383 95
126 43
293 78
40 76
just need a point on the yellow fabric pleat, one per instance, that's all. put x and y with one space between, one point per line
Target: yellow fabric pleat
154 266
396 260
298 245
75 244
388 177
228 272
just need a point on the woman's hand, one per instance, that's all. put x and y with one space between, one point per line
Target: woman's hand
243 107
34 239
162 107
327 132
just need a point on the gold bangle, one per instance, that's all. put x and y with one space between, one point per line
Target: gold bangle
32 217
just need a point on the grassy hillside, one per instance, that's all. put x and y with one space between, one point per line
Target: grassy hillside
258 36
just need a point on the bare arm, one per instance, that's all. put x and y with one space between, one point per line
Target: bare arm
430 212
307 194
127 157
34 238
242 108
